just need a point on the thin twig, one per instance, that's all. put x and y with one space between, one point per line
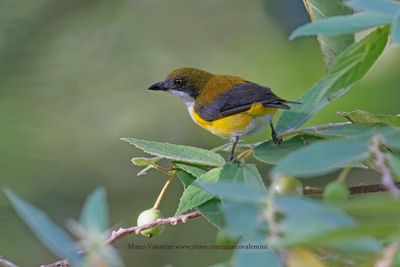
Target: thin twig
310 190
380 161
118 234
316 128
389 254
61 263
161 169
122 232
6 263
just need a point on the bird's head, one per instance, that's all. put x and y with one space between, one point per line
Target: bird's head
186 83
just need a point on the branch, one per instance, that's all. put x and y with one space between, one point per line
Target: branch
6 263
122 232
354 190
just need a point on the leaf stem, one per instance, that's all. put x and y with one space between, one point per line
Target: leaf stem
164 190
343 174
245 154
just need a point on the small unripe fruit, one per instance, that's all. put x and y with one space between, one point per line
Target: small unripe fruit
287 185
149 216
336 192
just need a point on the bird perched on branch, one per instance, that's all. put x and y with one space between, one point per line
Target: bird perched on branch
225 105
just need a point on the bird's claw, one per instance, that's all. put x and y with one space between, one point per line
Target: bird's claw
233 159
276 139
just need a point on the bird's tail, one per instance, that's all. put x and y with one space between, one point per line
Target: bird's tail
292 102
281 103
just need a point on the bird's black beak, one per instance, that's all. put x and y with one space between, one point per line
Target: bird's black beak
158 87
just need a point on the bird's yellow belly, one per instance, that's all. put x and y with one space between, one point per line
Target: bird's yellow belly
239 124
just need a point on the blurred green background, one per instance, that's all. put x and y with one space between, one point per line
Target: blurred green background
73 79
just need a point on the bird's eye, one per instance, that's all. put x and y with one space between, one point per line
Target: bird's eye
179 82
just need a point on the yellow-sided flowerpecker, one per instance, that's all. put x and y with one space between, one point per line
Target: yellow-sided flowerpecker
225 105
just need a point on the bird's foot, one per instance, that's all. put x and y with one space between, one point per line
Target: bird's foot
233 159
276 139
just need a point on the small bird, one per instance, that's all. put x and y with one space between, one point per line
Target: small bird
227 106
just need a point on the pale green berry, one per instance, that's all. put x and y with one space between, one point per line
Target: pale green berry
287 185
149 216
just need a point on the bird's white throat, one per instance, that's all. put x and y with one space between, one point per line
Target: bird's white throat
183 95
189 101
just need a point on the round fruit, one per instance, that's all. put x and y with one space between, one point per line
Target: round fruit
287 185
336 192
149 216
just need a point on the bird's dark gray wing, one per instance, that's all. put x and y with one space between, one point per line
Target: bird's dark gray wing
240 98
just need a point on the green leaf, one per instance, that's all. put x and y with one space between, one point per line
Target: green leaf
350 66
379 207
360 116
194 196
210 208
243 218
247 174
304 218
341 25
313 222
360 130
94 215
186 178
235 191
270 153
392 138
210 211
395 32
388 8
145 161
178 152
331 46
394 164
52 236
194 170
347 234
255 257
321 158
